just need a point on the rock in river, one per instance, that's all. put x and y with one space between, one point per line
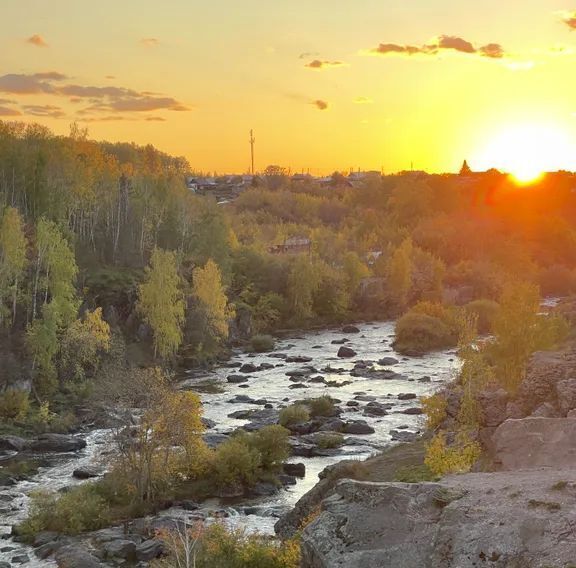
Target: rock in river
346 352
57 443
358 427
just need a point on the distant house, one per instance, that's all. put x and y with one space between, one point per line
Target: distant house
293 245
301 178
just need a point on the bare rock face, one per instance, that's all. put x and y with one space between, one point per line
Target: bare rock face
502 520
549 378
536 443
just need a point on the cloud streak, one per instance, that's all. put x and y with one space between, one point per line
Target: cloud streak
109 100
6 111
443 43
44 110
320 104
319 64
150 42
37 41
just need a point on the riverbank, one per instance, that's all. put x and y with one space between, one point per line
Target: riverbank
378 395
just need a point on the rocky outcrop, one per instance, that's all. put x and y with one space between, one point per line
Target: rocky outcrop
76 556
503 520
532 443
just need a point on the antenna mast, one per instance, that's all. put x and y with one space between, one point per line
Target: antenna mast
252 141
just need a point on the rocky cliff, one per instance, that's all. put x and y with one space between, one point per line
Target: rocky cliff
520 517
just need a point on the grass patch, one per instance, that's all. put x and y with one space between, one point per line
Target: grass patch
548 505
559 485
415 474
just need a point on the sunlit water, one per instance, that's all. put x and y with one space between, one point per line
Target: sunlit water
371 344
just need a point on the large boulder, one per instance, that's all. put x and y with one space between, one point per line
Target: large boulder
350 329
150 549
502 520
87 472
12 443
57 443
566 395
121 548
357 427
493 403
536 443
373 525
346 352
76 556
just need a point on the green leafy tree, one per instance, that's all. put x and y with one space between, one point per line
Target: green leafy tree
209 295
82 344
400 273
55 278
161 303
12 257
520 331
355 270
303 282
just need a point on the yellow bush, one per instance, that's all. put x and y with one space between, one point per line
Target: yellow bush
79 510
294 414
217 546
457 458
14 406
434 408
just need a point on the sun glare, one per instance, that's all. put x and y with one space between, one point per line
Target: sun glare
526 152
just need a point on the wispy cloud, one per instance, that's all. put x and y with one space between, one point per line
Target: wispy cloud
7 111
43 110
319 64
97 100
363 101
37 40
155 119
307 55
443 43
96 103
113 118
150 42
320 104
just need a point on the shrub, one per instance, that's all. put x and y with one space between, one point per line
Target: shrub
262 343
420 333
486 311
294 414
321 406
456 458
329 440
217 546
14 406
78 510
434 408
235 462
271 442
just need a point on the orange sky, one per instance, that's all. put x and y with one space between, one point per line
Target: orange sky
325 84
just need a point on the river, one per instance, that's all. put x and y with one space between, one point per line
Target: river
417 375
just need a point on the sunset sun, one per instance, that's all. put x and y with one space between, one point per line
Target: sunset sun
527 151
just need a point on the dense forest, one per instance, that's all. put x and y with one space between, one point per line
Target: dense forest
104 244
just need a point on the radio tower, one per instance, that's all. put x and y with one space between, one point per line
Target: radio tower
252 141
